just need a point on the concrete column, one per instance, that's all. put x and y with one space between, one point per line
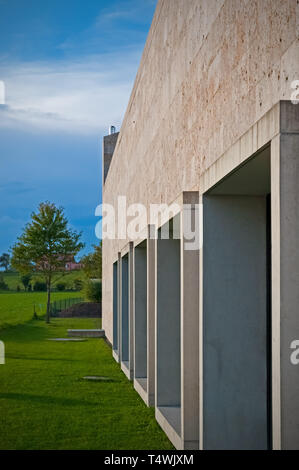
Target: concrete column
141 313
200 326
117 355
115 309
125 309
144 376
289 270
151 324
131 309
275 287
190 320
177 326
127 312
168 353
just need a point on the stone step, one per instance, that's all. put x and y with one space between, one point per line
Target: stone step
96 333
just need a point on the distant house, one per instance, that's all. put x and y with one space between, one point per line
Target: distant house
73 265
68 263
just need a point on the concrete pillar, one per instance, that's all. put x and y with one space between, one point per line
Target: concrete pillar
125 309
115 310
141 313
127 305
151 321
168 335
275 285
177 327
190 321
131 310
235 323
144 375
286 153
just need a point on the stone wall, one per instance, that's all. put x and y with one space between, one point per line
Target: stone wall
209 71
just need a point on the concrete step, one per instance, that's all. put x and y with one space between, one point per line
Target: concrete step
87 333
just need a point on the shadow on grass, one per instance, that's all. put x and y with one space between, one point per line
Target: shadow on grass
47 400
33 321
33 358
33 330
29 332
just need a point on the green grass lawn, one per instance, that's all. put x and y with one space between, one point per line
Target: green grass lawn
17 308
45 403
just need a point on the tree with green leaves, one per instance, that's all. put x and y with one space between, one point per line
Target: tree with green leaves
4 261
25 279
92 263
92 290
45 246
3 285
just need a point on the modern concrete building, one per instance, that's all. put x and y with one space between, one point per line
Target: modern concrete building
212 128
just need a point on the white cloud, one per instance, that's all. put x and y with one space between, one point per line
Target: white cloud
127 9
83 97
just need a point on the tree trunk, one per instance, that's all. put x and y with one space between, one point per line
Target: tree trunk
48 301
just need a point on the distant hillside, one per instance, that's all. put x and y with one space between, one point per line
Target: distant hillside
13 279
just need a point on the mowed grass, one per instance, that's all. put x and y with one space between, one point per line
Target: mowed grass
46 404
17 308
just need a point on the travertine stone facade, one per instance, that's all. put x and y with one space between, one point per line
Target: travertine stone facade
209 71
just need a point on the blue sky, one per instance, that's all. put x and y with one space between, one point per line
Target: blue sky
68 68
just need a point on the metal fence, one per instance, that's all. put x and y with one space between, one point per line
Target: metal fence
59 305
